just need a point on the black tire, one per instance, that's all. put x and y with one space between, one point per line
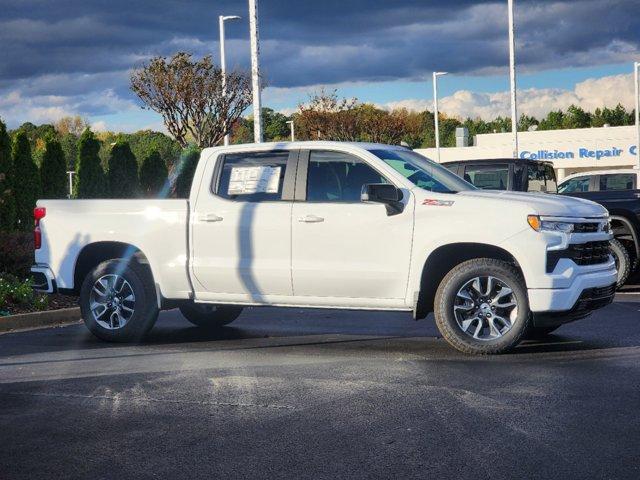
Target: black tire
623 261
446 297
535 333
210 316
145 307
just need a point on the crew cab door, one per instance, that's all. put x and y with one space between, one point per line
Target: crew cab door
241 228
346 252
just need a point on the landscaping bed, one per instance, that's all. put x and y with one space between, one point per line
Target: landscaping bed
17 296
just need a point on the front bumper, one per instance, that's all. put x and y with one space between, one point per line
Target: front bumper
43 279
564 299
591 299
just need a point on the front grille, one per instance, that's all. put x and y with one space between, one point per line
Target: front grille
590 253
586 227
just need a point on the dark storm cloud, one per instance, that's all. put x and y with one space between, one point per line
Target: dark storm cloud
69 47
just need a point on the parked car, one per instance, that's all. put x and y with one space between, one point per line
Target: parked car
617 191
507 174
330 225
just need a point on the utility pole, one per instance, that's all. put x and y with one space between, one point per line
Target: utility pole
512 71
255 71
435 111
223 61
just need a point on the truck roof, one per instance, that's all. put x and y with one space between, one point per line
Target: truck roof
308 144
612 171
501 160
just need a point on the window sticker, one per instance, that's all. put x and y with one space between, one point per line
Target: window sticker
248 180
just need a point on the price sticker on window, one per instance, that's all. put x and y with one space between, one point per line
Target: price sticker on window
248 180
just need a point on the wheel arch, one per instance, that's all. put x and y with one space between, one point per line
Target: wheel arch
95 253
625 227
443 259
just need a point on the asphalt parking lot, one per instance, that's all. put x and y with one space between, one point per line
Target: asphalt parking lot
285 393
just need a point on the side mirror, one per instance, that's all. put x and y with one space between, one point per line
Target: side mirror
384 193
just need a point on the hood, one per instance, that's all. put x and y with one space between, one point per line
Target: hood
544 204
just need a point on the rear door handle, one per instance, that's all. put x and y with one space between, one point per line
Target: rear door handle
311 219
210 217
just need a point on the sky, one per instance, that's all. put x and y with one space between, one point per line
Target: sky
74 57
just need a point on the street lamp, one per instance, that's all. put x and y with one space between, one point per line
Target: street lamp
435 110
636 68
293 130
223 60
512 71
255 71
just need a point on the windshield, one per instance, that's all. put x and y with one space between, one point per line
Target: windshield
422 172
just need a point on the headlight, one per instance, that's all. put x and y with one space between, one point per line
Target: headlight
549 226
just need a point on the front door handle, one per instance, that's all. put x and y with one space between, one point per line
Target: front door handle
311 219
210 217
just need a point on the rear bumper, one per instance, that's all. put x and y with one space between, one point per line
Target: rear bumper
43 279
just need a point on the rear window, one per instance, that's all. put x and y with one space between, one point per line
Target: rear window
542 178
495 177
618 181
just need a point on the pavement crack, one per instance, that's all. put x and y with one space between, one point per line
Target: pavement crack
156 400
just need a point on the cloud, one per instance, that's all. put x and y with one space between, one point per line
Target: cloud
589 94
82 50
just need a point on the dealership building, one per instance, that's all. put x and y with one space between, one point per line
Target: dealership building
571 151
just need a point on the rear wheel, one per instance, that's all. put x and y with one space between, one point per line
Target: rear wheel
118 301
210 316
623 261
482 307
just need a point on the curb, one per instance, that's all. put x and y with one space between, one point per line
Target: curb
50 318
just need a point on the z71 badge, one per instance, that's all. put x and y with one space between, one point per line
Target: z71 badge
438 203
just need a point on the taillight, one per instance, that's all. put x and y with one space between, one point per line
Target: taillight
38 214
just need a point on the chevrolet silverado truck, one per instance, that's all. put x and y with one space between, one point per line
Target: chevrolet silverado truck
330 225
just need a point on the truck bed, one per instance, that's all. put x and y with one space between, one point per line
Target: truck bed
157 228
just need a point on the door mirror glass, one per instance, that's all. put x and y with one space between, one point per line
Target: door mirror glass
384 193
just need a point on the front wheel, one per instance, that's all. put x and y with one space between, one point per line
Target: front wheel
481 306
210 316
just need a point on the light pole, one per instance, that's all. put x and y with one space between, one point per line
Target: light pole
435 111
71 173
223 60
636 68
512 71
255 71
293 130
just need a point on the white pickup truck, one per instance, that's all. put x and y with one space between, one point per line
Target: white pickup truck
330 225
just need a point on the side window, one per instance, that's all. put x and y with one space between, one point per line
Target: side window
338 177
550 175
617 181
578 184
253 177
488 177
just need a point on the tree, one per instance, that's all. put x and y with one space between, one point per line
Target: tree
90 177
188 95
576 117
553 121
123 172
53 170
7 203
69 143
27 189
71 125
153 175
184 171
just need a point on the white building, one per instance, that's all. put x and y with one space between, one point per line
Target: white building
571 151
